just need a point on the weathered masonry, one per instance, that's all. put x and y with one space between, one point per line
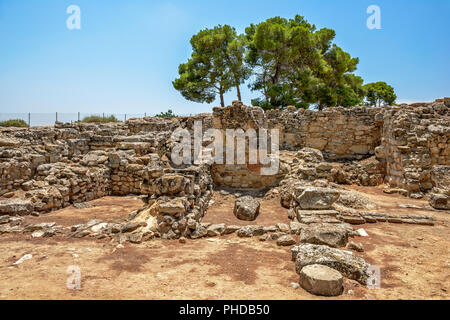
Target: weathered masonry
47 168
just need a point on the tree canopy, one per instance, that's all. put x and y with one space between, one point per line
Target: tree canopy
295 64
378 93
216 65
288 61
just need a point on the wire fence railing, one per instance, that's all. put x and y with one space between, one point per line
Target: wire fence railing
48 119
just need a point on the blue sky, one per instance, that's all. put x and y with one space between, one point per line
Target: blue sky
127 53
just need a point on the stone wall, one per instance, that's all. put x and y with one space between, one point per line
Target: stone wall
415 138
339 133
248 175
53 167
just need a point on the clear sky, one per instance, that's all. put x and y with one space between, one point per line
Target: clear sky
127 52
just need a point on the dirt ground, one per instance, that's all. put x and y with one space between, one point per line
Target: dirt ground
414 260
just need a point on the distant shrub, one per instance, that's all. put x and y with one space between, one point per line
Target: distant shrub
168 114
14 123
99 119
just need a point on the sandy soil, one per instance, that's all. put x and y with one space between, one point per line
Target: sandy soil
270 213
414 260
106 209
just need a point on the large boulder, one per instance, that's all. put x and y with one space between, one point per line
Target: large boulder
344 261
321 280
440 201
332 235
314 198
16 207
246 208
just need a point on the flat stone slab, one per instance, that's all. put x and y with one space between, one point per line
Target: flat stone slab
315 198
343 261
321 280
331 235
16 207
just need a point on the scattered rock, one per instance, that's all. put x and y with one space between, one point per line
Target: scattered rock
131 226
409 206
362 233
216 230
199 232
327 234
231 229
246 208
440 201
282 227
321 280
343 261
83 205
286 240
250 231
295 285
16 207
296 227
355 247
24 258
37 234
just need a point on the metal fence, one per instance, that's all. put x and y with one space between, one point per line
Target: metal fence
47 119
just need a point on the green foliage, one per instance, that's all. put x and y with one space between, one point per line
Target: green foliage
216 65
99 119
14 123
290 61
166 115
295 64
378 93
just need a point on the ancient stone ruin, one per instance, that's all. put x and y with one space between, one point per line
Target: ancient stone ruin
405 147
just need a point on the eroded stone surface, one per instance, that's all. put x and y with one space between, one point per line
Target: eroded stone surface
246 208
344 261
321 280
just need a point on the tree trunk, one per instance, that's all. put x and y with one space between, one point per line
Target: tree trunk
265 94
238 93
222 103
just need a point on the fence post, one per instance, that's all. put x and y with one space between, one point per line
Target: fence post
56 117
29 119
125 117
103 116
